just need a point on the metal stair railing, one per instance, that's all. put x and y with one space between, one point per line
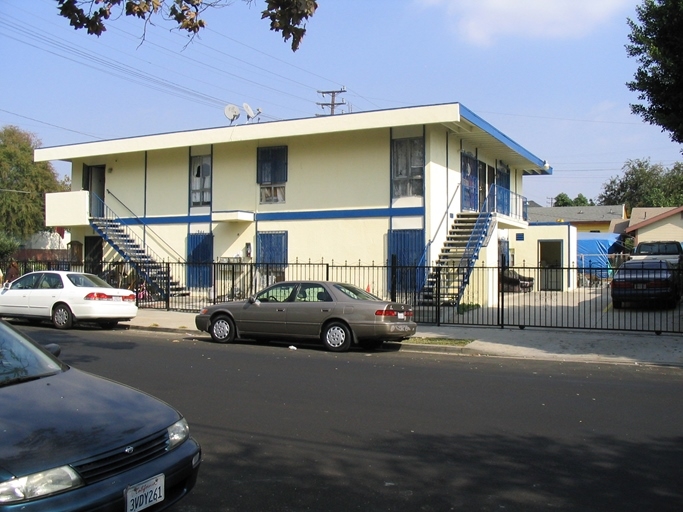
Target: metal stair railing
479 237
422 267
131 248
179 258
481 232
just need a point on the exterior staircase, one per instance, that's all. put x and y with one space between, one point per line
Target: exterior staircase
150 269
447 282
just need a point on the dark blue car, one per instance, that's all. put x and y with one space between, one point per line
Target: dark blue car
646 281
73 441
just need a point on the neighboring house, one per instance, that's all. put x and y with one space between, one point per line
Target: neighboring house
592 219
655 224
45 246
375 187
552 238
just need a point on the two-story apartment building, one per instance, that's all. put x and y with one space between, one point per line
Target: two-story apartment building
369 187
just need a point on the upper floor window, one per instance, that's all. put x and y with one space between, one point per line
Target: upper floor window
271 173
200 181
407 167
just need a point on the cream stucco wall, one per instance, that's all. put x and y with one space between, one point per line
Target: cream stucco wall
167 182
338 171
669 228
353 241
126 178
526 253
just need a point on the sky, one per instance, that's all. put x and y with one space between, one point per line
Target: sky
550 74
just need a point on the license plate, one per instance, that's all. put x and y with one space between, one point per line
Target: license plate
117 298
145 494
401 316
639 286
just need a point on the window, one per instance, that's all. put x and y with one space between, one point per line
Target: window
271 173
277 293
312 293
407 167
200 180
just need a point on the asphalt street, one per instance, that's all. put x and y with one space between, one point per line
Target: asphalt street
310 430
621 347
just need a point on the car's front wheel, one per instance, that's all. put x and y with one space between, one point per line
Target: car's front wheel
222 329
62 318
336 337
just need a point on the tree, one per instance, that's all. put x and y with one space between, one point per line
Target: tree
563 199
581 200
644 184
8 246
286 16
657 44
24 183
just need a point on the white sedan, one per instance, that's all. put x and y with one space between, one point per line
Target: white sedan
65 298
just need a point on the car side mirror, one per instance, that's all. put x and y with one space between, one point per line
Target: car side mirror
53 349
6 285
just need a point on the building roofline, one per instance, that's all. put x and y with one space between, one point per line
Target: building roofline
494 132
654 219
447 114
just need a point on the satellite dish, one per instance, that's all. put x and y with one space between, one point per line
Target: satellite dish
250 113
232 112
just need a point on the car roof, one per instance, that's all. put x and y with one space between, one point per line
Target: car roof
62 272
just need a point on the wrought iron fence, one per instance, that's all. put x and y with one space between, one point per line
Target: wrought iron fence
550 297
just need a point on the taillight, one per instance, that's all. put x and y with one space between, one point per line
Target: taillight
621 284
103 296
658 284
392 312
98 296
385 312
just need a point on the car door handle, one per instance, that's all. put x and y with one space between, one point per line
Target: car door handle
325 310
280 310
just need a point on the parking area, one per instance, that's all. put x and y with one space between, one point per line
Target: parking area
583 308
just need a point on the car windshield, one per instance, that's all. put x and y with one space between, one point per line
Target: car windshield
21 360
88 281
355 293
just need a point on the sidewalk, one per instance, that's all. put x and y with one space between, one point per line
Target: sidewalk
530 343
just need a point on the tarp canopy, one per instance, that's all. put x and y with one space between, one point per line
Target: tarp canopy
592 251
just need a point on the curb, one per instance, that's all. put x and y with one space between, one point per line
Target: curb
443 349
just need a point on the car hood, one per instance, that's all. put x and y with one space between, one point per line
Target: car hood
70 416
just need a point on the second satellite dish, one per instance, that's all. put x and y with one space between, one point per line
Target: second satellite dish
232 112
250 113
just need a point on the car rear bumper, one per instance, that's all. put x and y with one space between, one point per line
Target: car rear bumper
95 311
179 466
386 331
644 295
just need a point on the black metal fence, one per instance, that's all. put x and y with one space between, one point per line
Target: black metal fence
567 297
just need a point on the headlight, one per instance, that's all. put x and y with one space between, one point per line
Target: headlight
39 484
177 433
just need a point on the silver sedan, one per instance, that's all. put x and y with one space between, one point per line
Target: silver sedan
337 314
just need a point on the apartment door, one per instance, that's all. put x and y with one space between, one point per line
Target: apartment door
93 181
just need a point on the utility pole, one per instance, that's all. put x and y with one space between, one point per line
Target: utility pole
333 99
